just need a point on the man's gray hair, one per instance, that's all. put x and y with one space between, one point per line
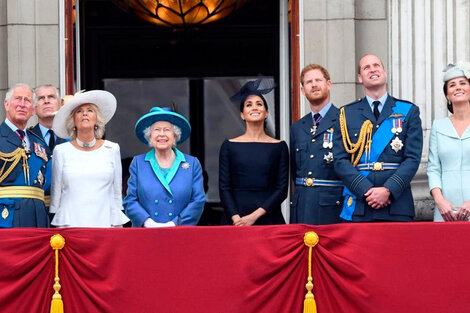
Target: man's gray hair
10 91
45 86
148 131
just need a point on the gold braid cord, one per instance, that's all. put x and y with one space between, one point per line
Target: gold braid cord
310 240
363 142
57 243
14 157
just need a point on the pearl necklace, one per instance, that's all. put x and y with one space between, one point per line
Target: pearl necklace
89 144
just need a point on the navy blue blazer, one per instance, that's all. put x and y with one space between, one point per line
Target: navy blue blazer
396 180
315 205
27 212
37 131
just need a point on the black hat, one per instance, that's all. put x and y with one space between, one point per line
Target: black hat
261 86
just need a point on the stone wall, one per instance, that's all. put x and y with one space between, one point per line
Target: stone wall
29 44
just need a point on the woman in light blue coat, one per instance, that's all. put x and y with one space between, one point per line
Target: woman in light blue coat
165 187
449 149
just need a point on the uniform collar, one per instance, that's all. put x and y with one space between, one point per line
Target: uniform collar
381 100
324 110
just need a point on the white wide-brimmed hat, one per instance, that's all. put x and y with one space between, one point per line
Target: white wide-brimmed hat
104 100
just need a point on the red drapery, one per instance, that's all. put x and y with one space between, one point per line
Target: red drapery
380 267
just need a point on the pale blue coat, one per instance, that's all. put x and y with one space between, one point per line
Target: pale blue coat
179 198
449 163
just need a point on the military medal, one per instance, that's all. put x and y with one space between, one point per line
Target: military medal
40 178
399 125
328 139
40 151
396 144
5 213
328 157
325 140
394 126
313 130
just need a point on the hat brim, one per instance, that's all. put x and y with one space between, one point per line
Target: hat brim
172 117
104 100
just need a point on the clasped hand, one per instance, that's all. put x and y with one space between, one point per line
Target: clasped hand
377 197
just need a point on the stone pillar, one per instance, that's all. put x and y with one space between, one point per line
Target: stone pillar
424 37
330 40
29 44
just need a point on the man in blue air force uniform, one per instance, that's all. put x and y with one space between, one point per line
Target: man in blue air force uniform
318 191
46 104
377 150
23 160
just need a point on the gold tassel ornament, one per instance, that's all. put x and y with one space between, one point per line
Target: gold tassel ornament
310 240
57 243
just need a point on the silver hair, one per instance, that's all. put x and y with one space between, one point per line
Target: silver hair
99 126
45 86
10 91
176 130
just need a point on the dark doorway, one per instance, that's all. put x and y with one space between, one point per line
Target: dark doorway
119 51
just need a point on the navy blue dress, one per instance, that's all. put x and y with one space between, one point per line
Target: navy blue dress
253 175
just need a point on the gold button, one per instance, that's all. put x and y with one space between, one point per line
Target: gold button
311 156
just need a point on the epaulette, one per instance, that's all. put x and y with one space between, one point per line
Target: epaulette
36 135
354 102
396 99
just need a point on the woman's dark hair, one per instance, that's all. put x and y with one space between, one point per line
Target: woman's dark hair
265 103
449 104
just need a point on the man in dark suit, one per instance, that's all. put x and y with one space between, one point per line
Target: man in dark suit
46 104
377 150
23 160
318 190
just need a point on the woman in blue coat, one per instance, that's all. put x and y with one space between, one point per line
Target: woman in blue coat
165 187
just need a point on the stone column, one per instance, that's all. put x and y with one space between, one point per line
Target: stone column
424 37
29 44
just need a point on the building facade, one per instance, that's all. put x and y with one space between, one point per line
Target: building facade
414 38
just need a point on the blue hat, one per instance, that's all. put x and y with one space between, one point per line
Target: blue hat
157 114
261 86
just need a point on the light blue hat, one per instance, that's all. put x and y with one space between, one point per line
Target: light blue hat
459 69
157 114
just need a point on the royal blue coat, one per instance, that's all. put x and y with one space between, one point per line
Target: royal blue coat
178 198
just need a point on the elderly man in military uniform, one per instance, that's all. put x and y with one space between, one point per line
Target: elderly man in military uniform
23 160
317 198
377 150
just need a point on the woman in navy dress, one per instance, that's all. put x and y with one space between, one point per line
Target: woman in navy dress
254 167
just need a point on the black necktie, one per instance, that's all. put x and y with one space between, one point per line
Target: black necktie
376 109
20 133
51 139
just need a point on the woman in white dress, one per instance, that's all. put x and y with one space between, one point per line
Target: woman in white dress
86 171
449 149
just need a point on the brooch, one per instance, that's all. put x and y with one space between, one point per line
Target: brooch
185 165
328 157
396 144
